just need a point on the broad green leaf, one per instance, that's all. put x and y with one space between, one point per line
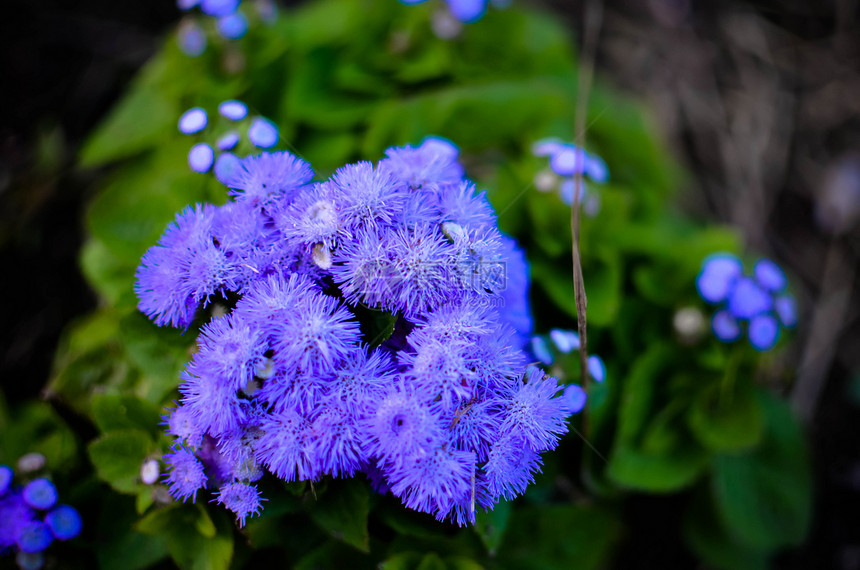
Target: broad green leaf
556 536
120 545
726 421
111 276
342 512
140 120
491 526
764 496
114 412
705 535
118 455
334 554
196 539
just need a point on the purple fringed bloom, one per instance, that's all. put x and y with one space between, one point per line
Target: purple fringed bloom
400 426
268 177
242 499
511 466
419 265
186 475
534 413
281 447
429 166
367 196
540 349
432 482
229 350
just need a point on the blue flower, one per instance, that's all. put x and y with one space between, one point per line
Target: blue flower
786 308
233 26
15 514
725 326
219 7
242 499
227 141
763 332
281 448
192 39
40 494
769 275
186 475
718 276
229 350
233 110
200 158
564 340
574 398
34 536
193 121
747 299
540 349
65 522
263 133
596 368
468 11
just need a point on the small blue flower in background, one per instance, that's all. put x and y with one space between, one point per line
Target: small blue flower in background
566 161
30 520
233 26
193 121
466 11
263 133
233 110
200 157
758 301
40 494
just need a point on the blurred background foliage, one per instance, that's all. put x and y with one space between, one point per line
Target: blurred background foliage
689 442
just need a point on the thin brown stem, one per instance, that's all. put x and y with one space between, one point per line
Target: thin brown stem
591 31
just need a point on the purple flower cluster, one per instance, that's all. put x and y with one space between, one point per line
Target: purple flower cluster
759 300
566 161
30 518
380 328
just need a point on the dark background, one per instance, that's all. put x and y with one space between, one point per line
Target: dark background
759 100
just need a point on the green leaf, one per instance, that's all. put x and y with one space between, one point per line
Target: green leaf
431 561
552 536
138 122
651 450
111 276
196 539
118 455
726 421
334 554
120 545
491 525
342 512
114 412
705 535
764 496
